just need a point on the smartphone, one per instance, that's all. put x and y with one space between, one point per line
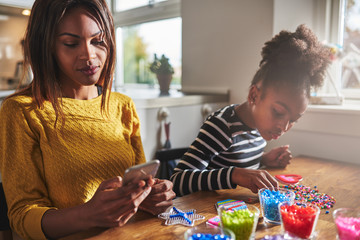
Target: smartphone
141 171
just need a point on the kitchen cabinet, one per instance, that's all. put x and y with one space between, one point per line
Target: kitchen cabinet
185 113
18 3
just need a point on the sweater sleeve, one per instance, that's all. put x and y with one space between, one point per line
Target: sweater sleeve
135 136
22 171
192 173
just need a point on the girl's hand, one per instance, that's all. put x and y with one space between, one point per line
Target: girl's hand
277 157
160 197
114 204
253 179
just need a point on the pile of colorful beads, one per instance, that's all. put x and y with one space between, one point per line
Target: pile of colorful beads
306 194
270 200
203 236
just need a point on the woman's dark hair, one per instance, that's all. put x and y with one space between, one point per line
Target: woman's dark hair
296 59
39 49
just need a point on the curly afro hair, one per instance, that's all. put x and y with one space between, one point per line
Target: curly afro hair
296 59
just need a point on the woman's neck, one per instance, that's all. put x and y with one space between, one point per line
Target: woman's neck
82 93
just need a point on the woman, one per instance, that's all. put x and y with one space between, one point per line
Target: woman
65 140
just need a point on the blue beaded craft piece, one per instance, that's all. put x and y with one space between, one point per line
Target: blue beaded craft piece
177 216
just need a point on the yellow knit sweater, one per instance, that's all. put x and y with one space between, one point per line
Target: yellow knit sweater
43 167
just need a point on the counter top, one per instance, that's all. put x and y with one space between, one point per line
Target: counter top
150 98
5 93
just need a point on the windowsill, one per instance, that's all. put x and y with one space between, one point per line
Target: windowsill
151 98
348 107
341 120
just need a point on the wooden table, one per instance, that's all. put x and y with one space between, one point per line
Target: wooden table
337 179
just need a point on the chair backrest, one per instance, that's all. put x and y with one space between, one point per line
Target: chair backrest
4 220
168 158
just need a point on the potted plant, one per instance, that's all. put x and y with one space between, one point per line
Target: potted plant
164 71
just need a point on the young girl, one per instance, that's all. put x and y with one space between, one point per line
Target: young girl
229 148
65 140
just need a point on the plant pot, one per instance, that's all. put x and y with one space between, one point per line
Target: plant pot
164 82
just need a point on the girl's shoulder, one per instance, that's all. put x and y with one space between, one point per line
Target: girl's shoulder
227 112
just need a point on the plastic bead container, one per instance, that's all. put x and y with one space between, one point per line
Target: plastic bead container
347 222
242 222
298 220
208 233
270 200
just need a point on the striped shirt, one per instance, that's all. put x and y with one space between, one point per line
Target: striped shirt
224 142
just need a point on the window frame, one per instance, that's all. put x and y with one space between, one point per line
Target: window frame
334 28
149 13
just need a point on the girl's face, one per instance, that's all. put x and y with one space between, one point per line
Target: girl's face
80 49
277 111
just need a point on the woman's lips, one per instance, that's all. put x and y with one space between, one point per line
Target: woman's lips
89 70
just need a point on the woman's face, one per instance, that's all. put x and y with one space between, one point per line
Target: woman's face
80 49
278 110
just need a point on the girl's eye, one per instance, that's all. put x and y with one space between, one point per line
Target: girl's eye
277 113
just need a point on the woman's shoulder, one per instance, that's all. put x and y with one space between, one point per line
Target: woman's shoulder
16 105
16 101
121 98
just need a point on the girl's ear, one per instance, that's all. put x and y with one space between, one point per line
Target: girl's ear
254 94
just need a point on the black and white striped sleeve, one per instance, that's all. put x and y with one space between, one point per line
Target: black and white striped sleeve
192 173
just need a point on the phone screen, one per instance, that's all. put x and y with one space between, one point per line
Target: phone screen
141 171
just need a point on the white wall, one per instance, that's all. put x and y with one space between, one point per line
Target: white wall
221 43
288 14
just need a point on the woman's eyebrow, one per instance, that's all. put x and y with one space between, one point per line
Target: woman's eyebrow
77 36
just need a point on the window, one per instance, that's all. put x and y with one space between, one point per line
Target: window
144 28
123 5
350 56
344 35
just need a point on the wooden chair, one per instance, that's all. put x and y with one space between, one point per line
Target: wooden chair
168 158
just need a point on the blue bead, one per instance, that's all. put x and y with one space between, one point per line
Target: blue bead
199 235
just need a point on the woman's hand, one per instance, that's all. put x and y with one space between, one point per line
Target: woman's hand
111 206
253 179
114 204
160 197
277 157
